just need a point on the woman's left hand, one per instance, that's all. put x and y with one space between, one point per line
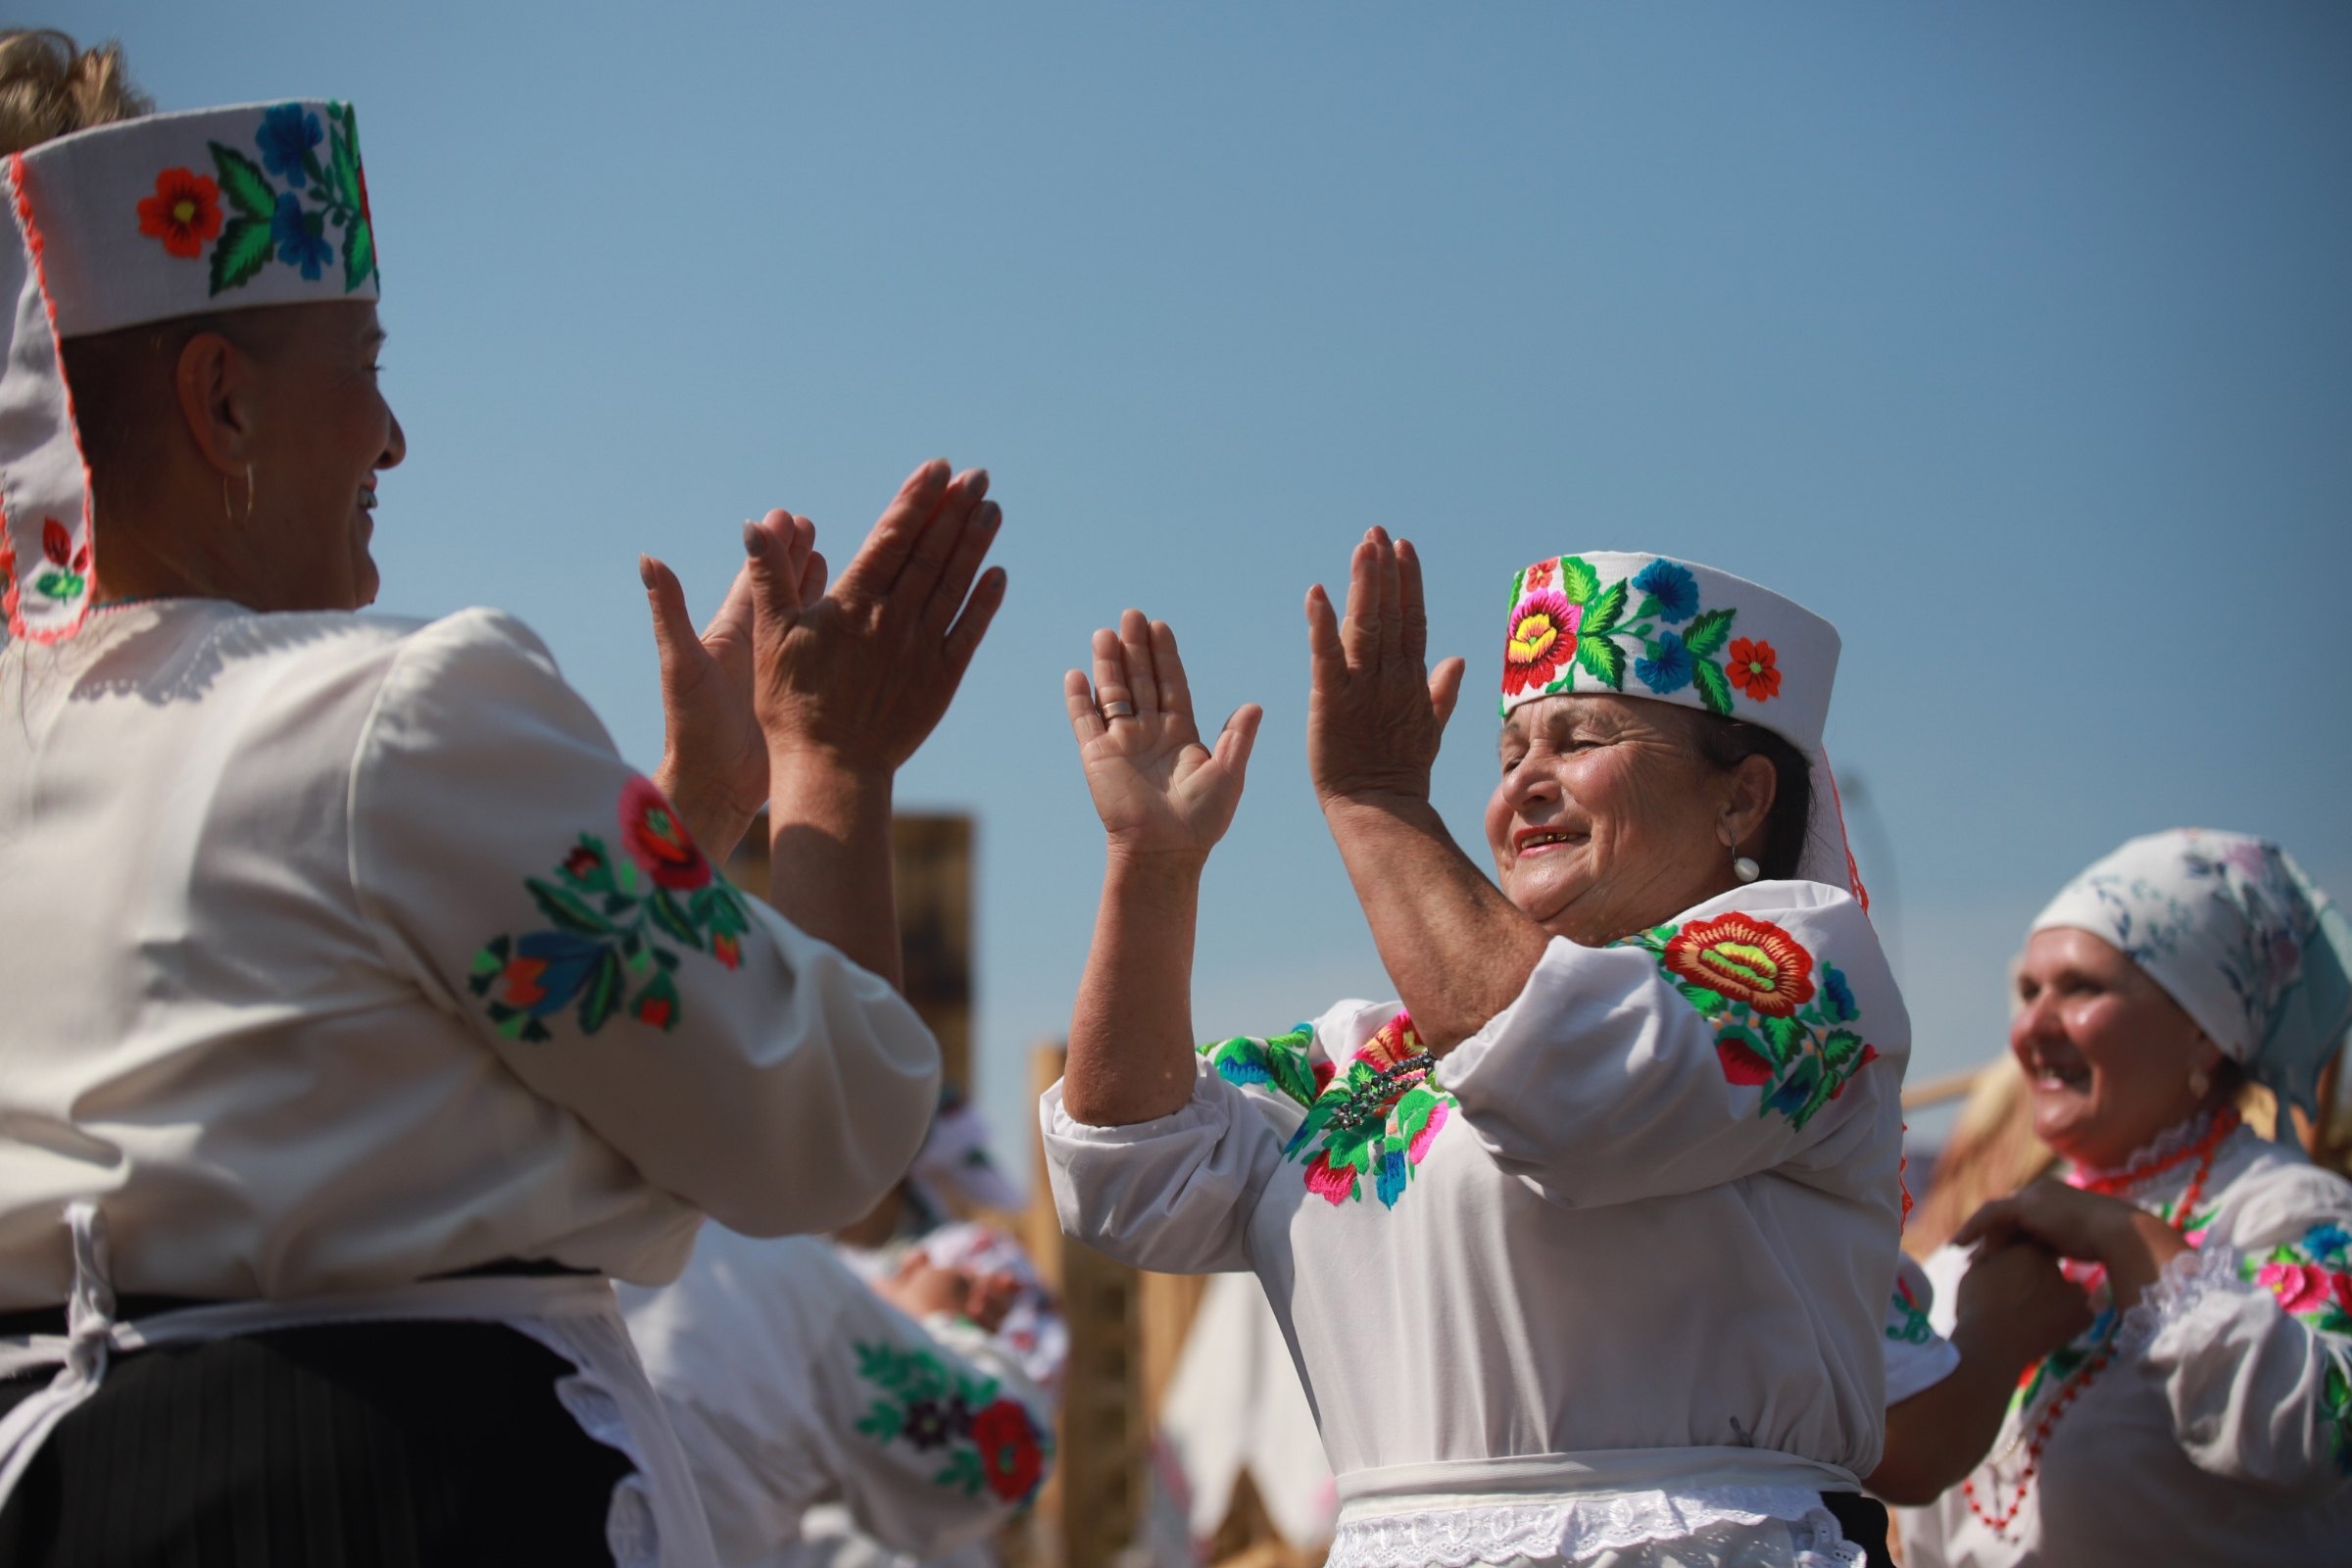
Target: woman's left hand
2132 1243
1376 714
714 755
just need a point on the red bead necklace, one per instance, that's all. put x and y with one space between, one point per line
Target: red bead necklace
2202 1152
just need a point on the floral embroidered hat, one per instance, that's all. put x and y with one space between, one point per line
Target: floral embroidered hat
2230 926
1642 625
146 221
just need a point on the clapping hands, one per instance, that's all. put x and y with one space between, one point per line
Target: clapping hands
1157 789
1376 714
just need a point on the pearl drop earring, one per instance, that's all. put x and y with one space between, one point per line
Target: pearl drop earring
1746 869
2200 1084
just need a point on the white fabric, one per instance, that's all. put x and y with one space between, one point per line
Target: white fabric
150 220
653 1519
2234 932
760 1352
253 865
1670 631
1235 1406
1917 1356
1604 1244
2209 1439
1590 1528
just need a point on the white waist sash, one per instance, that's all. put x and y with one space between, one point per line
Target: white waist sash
1564 1507
656 1519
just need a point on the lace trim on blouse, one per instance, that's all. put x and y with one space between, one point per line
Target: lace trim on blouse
2203 1276
1569 1530
2164 1145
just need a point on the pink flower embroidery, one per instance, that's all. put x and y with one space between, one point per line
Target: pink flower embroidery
2299 1287
1336 1186
1429 1130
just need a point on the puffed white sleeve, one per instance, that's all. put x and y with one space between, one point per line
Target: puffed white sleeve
1761 1031
522 876
1917 1356
2251 1341
1175 1195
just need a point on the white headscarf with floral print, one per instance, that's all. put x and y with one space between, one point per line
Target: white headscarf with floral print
150 220
1642 625
2234 931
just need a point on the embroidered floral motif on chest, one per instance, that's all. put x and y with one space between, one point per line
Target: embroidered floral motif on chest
1376 1118
1563 618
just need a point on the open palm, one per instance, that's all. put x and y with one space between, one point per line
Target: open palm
1157 789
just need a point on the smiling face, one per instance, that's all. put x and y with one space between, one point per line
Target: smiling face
322 432
2107 1053
1606 821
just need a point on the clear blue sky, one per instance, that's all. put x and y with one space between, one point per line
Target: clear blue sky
2017 339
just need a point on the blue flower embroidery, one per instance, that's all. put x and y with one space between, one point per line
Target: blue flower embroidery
1841 995
1670 669
1675 590
2326 1241
300 237
288 133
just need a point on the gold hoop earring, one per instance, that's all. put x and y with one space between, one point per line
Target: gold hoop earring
227 513
249 494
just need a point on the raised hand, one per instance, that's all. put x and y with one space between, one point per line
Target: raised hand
1376 714
860 675
714 757
1156 787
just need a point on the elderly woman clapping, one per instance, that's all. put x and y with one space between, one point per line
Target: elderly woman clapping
1582 1251
2205 1415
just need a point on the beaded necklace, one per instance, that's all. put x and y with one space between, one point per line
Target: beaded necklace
2037 1437
1373 1096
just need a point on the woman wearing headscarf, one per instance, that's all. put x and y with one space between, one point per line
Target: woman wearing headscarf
367 1012
1582 1251
2205 1415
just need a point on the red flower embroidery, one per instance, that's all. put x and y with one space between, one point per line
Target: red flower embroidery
583 863
1740 1063
726 950
1538 576
1754 669
55 543
1009 1455
183 212
519 982
655 1011
1336 1184
1542 638
656 840
1745 959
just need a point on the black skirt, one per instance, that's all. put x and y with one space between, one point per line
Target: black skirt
416 1445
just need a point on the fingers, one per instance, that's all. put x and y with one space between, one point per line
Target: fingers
1237 739
1995 1218
813 578
970 547
1326 650
1086 719
775 593
673 629
1359 628
1392 597
876 566
1413 608
733 622
1445 688
935 545
1175 692
1112 688
1135 642
964 638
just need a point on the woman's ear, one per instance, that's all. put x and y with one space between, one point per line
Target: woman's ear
214 386
1753 785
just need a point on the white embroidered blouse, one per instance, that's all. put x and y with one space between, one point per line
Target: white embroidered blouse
344 952
1613 1272
2219 1430
793 1386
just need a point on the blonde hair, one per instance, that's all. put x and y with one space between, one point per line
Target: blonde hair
1991 1152
50 86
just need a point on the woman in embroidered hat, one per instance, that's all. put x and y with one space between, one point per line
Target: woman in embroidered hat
1582 1250
2205 1415
366 1012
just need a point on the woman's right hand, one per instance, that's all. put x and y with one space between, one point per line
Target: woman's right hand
2015 1296
1157 789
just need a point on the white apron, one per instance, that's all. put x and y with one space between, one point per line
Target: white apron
656 1519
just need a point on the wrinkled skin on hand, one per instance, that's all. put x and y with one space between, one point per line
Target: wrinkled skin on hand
1376 714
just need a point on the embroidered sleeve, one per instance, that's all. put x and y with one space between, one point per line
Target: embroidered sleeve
1285 1064
1728 1043
1917 1356
943 1452
2253 1346
523 877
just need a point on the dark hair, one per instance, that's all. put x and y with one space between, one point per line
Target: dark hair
1723 744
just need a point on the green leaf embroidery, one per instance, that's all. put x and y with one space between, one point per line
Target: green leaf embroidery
603 993
1785 1035
1708 1002
568 911
1578 580
359 253
1602 659
1713 689
242 181
1708 631
245 248
1604 612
